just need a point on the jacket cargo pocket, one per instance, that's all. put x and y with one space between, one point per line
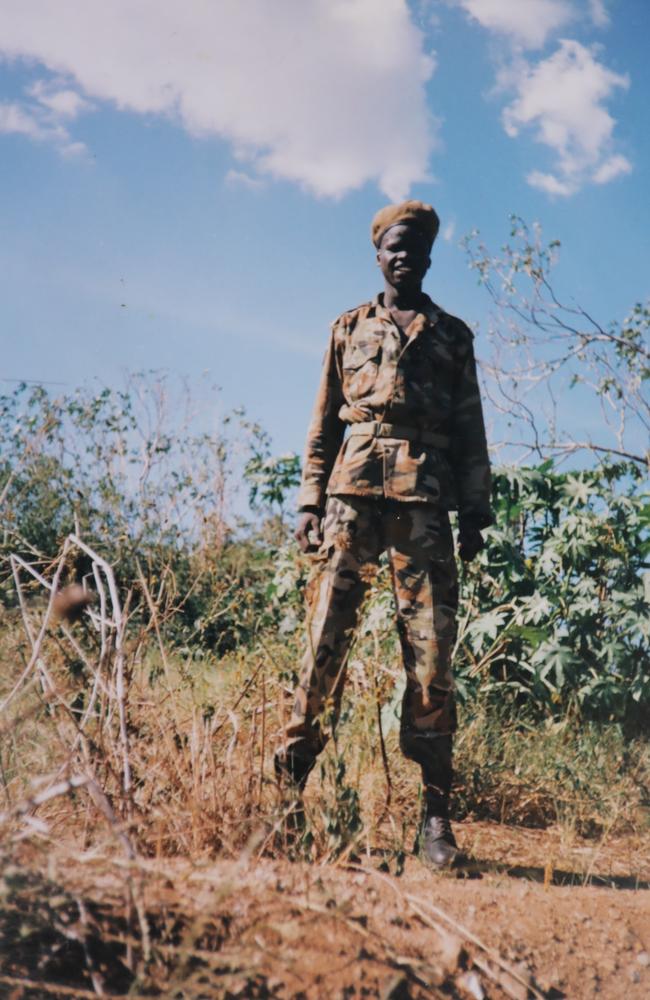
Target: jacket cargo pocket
360 369
414 472
436 479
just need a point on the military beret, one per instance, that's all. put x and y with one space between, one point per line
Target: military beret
415 213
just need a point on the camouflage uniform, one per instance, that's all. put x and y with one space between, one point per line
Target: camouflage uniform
415 449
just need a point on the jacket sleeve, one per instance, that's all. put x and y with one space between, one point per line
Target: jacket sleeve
325 433
468 447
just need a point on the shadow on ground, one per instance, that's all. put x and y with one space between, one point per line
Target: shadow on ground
476 868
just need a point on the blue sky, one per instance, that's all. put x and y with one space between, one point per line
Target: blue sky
189 185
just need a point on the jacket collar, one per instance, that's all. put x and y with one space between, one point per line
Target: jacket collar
429 310
427 316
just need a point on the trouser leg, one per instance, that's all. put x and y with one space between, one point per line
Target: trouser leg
351 541
421 553
426 596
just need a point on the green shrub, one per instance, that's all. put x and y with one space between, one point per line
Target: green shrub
137 475
556 611
554 615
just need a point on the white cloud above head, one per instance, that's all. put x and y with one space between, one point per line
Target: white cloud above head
303 90
525 23
561 99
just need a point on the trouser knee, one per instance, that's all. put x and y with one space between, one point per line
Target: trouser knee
420 747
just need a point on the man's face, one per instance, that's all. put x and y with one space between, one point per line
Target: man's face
403 256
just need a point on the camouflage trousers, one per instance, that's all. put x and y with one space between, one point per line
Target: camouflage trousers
418 541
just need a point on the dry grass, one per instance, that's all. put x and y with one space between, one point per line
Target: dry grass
122 754
201 738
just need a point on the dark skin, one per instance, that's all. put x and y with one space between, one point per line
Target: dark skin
404 259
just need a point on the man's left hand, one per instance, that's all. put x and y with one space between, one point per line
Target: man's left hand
470 543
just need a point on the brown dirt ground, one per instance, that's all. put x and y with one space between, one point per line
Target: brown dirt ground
567 917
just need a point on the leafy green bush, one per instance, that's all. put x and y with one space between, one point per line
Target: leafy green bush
556 612
137 475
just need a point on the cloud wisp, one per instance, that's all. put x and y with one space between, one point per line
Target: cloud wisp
303 90
45 114
526 23
599 13
560 99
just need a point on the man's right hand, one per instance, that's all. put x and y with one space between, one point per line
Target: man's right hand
308 531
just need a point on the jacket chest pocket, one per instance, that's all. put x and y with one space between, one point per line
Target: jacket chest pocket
361 367
431 374
418 366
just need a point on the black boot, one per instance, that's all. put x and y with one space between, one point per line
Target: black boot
437 841
292 771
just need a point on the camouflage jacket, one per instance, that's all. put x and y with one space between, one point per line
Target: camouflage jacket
423 380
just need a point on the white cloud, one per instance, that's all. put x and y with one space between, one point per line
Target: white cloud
304 90
61 101
562 100
40 116
448 231
615 166
19 118
13 119
599 13
527 23
72 149
239 178
549 183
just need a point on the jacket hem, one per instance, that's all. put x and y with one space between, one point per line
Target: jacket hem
379 494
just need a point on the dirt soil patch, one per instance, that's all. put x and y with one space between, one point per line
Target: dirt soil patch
530 915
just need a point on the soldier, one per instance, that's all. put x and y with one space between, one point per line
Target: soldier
400 377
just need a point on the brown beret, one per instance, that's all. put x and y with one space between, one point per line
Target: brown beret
415 213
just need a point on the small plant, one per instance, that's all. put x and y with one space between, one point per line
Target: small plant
339 809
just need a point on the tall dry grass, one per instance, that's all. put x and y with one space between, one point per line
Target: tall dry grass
182 749
118 750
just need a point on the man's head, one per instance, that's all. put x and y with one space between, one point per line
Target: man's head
404 235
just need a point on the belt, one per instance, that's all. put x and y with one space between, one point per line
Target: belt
374 428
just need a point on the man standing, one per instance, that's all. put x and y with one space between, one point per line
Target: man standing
400 376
